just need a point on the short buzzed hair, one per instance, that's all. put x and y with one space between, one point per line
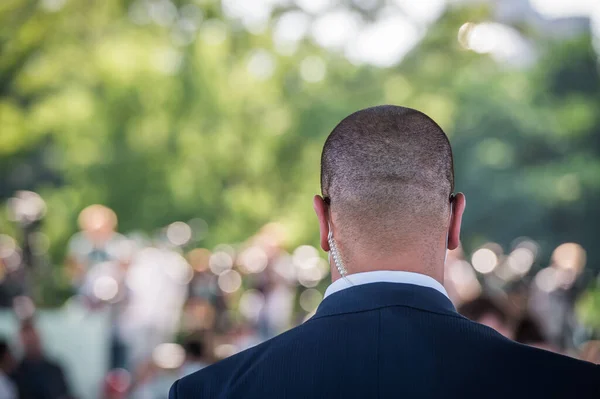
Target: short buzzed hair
386 169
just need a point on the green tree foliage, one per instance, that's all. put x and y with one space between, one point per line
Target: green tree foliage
164 125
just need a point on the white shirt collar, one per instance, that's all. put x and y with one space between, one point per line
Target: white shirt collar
384 276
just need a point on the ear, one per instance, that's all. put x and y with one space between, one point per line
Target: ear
321 209
458 207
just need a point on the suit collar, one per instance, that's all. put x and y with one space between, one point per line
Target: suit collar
382 294
384 276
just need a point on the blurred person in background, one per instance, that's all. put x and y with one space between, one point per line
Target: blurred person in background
94 243
157 282
205 304
195 356
591 352
152 380
386 327
36 376
147 382
245 335
8 390
276 287
485 311
528 332
116 384
275 316
103 286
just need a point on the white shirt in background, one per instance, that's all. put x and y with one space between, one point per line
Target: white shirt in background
7 388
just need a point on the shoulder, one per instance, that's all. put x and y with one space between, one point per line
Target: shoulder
536 363
555 363
214 378
220 376
484 337
556 374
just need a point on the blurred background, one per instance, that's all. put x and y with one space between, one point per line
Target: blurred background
158 160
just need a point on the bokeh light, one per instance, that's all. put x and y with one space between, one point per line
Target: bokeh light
309 277
373 45
520 260
251 304
304 256
289 29
310 299
254 259
163 12
220 262
105 288
97 219
314 6
178 269
261 64
230 281
284 267
569 256
168 356
547 279
26 206
501 41
484 260
199 259
313 69
334 29
179 233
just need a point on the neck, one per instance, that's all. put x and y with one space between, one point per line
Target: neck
401 262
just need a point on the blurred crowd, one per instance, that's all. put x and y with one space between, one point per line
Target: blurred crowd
174 307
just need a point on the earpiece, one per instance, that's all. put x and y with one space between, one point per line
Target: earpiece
337 260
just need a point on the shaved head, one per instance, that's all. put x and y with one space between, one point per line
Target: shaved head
387 173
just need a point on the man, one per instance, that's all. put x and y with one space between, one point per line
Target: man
529 332
153 382
194 356
485 311
7 364
36 376
386 328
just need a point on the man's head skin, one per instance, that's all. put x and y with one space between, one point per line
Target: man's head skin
387 180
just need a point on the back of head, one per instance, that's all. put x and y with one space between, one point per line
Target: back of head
388 174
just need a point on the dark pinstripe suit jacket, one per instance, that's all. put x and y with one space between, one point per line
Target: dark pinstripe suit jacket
390 340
